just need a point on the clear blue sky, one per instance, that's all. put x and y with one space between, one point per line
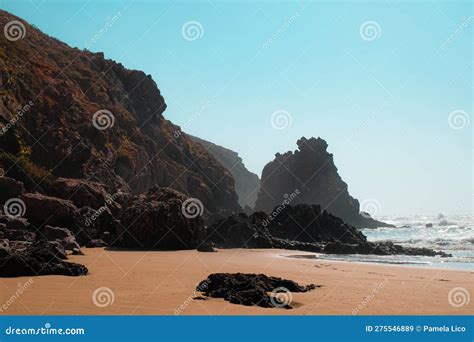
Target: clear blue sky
381 104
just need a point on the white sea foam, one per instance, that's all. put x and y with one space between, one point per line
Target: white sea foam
453 234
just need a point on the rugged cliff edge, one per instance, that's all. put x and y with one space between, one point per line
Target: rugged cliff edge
310 171
247 184
71 113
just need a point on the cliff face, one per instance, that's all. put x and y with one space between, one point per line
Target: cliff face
311 171
77 114
247 184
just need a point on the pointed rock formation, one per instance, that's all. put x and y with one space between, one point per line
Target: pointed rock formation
311 172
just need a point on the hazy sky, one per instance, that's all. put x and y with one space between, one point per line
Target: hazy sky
378 81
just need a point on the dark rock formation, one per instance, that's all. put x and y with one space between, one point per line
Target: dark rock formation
302 227
310 170
84 193
41 209
63 235
156 221
92 224
239 231
247 184
379 248
134 147
308 223
250 289
9 188
206 247
96 243
39 258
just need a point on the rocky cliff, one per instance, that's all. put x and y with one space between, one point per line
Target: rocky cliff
247 184
310 176
71 113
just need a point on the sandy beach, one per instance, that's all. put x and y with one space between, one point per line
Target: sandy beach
163 283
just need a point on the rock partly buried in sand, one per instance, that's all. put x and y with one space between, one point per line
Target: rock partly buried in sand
206 247
251 289
39 258
156 220
96 243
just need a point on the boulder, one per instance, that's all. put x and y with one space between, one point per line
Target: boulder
4 248
96 243
63 235
56 233
239 231
17 223
250 289
206 247
156 221
10 188
77 251
58 249
91 224
308 223
84 193
108 237
39 258
41 209
19 235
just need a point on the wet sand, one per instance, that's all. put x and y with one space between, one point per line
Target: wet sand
163 283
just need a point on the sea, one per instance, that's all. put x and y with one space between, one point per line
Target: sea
453 234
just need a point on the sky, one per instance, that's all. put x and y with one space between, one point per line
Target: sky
387 84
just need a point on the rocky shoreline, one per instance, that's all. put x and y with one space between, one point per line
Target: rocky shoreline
38 231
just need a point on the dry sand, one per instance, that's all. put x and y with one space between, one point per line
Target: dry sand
163 283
